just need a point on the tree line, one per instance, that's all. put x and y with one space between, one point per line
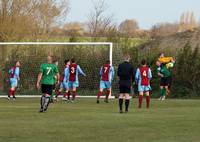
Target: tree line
41 19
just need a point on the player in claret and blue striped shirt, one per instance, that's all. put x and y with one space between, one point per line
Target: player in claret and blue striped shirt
14 78
107 75
143 77
73 72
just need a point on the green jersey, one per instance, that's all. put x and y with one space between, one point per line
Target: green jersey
164 70
48 73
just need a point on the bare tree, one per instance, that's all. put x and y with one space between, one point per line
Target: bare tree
182 22
187 22
98 22
192 22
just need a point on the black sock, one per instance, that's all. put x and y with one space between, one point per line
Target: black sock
42 101
127 104
120 104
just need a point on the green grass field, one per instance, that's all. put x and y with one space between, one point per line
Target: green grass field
86 121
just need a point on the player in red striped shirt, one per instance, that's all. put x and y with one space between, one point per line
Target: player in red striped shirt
143 77
74 71
107 75
14 73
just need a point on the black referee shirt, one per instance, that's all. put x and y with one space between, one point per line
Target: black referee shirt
126 71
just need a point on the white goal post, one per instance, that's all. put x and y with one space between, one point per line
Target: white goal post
109 44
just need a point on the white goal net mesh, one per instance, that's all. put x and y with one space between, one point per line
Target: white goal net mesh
90 58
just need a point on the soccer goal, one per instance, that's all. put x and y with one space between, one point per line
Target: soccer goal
89 55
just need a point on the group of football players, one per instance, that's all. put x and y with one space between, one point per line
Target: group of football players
68 82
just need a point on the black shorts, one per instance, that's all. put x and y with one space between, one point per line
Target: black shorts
165 81
125 86
54 87
47 89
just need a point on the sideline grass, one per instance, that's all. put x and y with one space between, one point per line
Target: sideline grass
86 121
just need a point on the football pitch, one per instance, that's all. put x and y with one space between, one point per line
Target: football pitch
86 121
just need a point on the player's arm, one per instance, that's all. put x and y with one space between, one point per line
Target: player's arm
57 75
38 80
158 72
80 71
17 73
58 78
66 74
39 77
100 73
112 72
149 74
137 76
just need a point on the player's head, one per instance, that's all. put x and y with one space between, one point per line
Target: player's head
17 64
67 62
73 60
49 59
107 62
127 57
143 62
158 63
161 55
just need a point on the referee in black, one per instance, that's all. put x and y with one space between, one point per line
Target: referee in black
126 75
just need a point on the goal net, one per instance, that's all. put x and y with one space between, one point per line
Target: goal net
90 56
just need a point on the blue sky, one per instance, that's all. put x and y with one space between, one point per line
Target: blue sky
146 12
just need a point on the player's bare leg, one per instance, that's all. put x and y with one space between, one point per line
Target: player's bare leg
127 102
147 99
140 99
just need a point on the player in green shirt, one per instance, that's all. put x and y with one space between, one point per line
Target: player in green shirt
46 78
165 74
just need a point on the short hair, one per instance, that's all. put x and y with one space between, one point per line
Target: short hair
49 58
16 62
143 62
127 57
66 61
73 60
107 61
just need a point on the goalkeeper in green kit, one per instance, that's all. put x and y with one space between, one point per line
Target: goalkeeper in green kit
48 71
